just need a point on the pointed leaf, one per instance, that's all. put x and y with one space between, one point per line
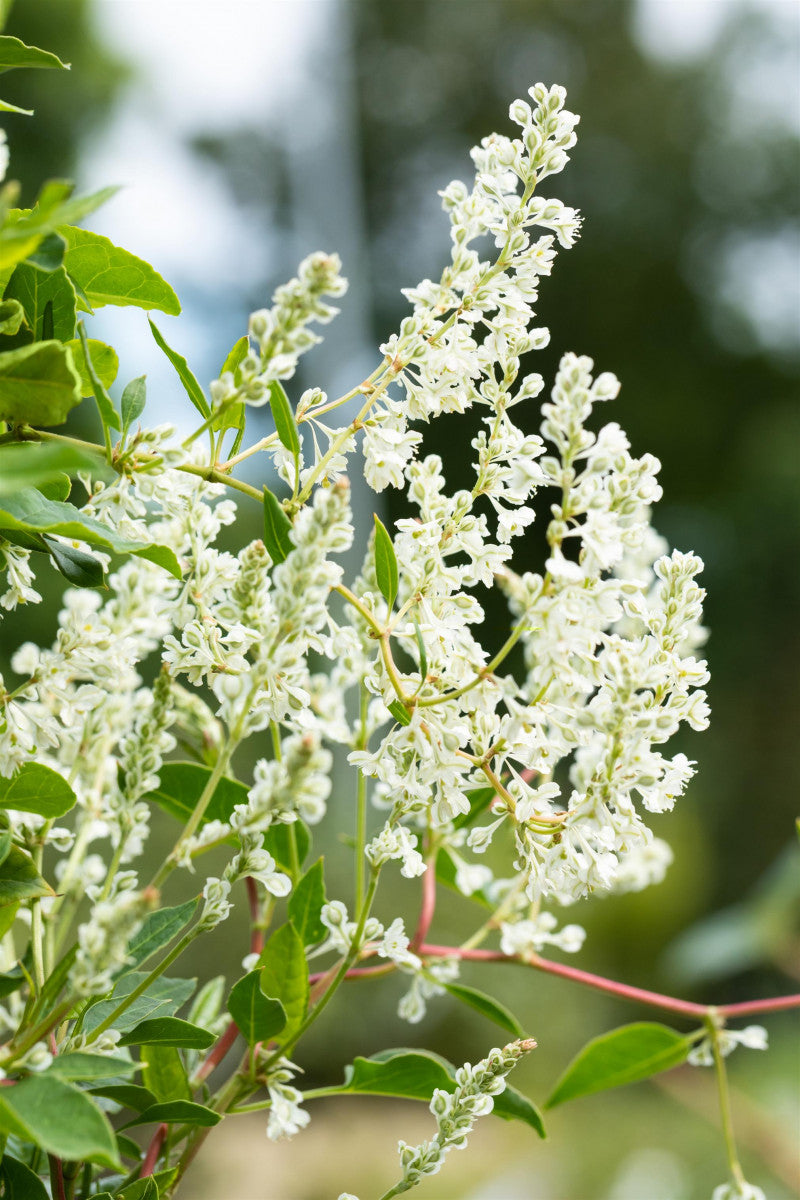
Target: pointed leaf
172 1111
284 975
18 1182
12 314
78 567
511 1105
49 254
305 905
38 384
14 53
19 879
133 401
80 1065
278 841
35 290
37 789
128 1095
413 1074
258 1019
105 406
399 712
190 384
158 930
164 1074
110 275
385 563
164 996
625 1055
168 1031
283 416
59 1118
181 784
141 1189
488 1007
31 464
277 528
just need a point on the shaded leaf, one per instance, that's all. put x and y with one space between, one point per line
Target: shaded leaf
105 405
12 314
59 1118
37 789
278 841
180 786
625 1055
80 1065
488 1007
35 290
77 566
168 1031
19 879
164 996
172 1111
18 1182
38 384
128 1095
49 254
277 528
110 275
31 464
104 360
258 1018
163 1073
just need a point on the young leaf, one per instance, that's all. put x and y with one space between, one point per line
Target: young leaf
172 1111
284 975
78 567
19 879
163 1073
157 931
257 1018
305 905
18 1182
385 563
625 1055
168 1031
110 275
38 384
283 416
104 360
134 397
489 1007
108 414
399 712
35 290
190 384
181 784
277 528
79 1065
59 1118
37 789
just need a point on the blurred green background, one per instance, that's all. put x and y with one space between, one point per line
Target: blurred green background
251 133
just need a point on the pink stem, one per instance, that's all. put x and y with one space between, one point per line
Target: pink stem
57 1174
218 1051
256 933
354 973
639 995
154 1150
428 906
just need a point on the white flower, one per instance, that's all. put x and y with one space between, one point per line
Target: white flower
753 1037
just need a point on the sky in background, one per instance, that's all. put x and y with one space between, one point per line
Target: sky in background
197 75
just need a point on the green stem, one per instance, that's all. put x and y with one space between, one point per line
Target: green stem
489 669
726 1116
147 982
361 801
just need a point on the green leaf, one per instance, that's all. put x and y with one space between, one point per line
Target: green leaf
446 874
305 905
158 930
18 1182
479 801
385 563
59 1118
19 879
133 401
284 975
58 488
37 789
31 464
13 108
164 996
181 784
208 1002
283 416
80 1065
104 360
233 416
258 1019
78 567
12 314
399 712
141 1189
49 254
511 1105
278 841
128 1148
423 653
172 1111
128 1095
30 512
168 1031
277 528
190 384
625 1055
164 1074
38 384
105 406
110 275
14 53
489 1007
8 915
35 290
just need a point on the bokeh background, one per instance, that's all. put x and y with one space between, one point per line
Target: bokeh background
248 133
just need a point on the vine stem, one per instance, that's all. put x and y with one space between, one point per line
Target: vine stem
726 1117
154 1150
428 905
625 991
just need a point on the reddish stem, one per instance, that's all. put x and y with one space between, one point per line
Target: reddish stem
639 995
154 1150
218 1051
57 1177
354 973
427 907
256 933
